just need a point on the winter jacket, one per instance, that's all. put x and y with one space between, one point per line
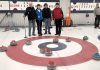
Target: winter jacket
57 13
31 13
46 13
39 15
97 11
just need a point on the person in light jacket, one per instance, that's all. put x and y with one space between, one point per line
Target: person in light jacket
97 16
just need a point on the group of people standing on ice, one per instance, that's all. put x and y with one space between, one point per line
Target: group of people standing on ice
44 15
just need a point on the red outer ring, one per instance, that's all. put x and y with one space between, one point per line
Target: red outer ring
88 50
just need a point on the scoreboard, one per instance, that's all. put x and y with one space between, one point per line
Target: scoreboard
83 5
20 5
4 5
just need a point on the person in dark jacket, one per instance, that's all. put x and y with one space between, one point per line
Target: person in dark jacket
57 17
47 18
39 19
31 13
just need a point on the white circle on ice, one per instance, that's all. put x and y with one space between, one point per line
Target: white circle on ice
72 48
52 45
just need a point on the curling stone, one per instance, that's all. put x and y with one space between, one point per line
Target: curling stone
48 52
85 38
12 28
51 66
13 43
16 29
6 29
28 42
3 49
98 37
55 40
68 40
96 56
42 50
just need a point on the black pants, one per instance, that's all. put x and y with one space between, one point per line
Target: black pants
58 23
39 26
97 20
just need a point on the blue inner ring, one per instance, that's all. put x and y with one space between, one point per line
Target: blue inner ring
61 46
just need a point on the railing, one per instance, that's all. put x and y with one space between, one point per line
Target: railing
3 18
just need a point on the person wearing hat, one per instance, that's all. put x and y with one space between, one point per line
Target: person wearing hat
47 18
39 18
58 17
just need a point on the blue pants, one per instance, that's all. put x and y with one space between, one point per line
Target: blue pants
39 26
47 22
